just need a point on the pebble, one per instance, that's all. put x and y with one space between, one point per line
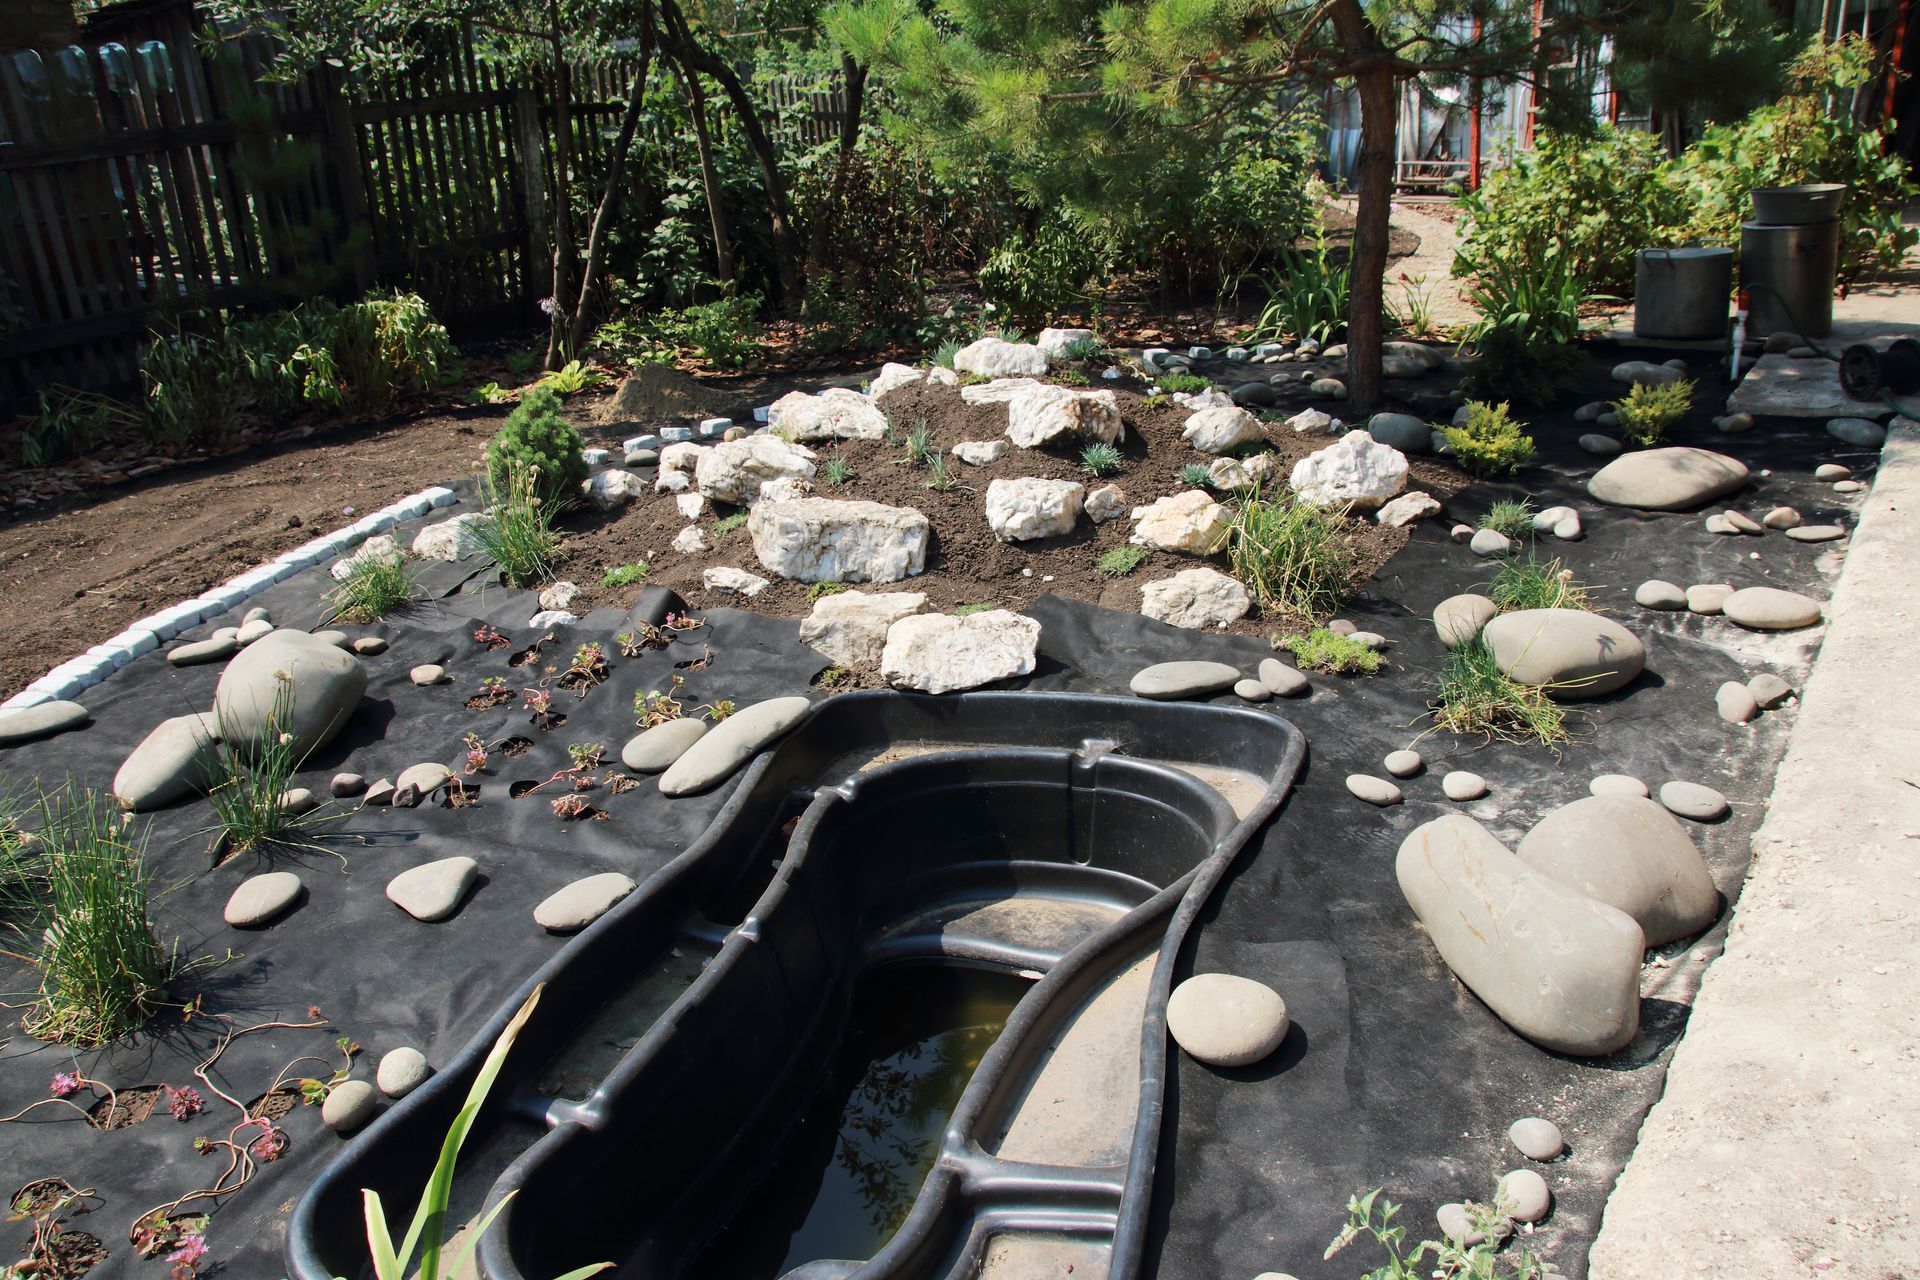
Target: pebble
1167 680
1817 533
1848 486
579 904
1369 640
1831 471
1692 800
1343 626
1536 1139
1600 446
1404 763
1735 702
653 750
1373 790
23 724
349 1105
199 651
1569 529
1743 523
1457 1225
298 800
428 673
1281 680
1463 785
255 614
1781 518
1707 597
338 639
251 631
1718 523
367 646
1769 690
1734 423
1657 593
1462 533
433 890
347 784
1490 542
418 782
1619 784
1252 690
380 792
1524 1196
1226 1021
401 1071
260 898
1458 619
1770 609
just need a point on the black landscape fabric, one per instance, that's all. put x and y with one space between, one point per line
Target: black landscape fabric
1394 1074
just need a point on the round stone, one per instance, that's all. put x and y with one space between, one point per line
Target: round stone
1657 593
581 903
1741 522
1536 1139
1857 431
1569 529
1457 1225
252 631
1370 640
1781 518
654 750
1630 854
1226 1021
1735 703
1734 423
1770 609
1675 478
1598 445
1458 619
1618 784
1831 471
419 782
256 614
347 784
1404 763
401 1071
349 1105
1373 790
1817 533
428 673
1849 486
1523 1196
1490 542
1343 626
1706 597
1769 690
368 646
1281 680
1692 800
433 891
1569 653
338 639
1252 690
298 800
1462 785
1166 680
261 898
1462 533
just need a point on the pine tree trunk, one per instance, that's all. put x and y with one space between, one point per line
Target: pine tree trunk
1373 182
709 178
854 77
610 196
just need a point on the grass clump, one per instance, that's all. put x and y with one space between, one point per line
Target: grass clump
1513 519
250 797
1100 459
518 534
1322 650
836 471
967 610
727 524
1647 411
1528 582
941 475
820 589
103 971
919 443
1475 696
625 575
1085 349
374 587
1072 378
537 439
1491 443
1197 475
944 353
1121 561
1190 383
1293 557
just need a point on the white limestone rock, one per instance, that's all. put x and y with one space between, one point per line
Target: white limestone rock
609 490
1195 598
829 540
1190 522
727 579
735 471
1044 415
1028 508
850 627
996 357
838 413
935 653
1222 429
1354 470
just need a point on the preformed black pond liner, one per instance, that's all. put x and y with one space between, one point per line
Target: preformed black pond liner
1064 835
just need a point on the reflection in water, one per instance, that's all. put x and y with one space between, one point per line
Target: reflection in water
847 1176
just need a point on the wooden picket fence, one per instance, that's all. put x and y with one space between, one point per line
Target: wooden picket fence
145 170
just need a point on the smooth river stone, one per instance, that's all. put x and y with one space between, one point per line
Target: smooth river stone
181 757
1373 790
1693 800
1458 619
1556 966
260 898
432 891
1585 654
1598 445
349 1105
211 650
1630 854
1735 702
730 744
579 904
1656 593
1817 533
1832 471
1770 609
1281 680
1769 690
1226 1021
1857 431
1619 784
1252 690
402 1071
1167 680
1461 784
1781 518
1675 478
23 724
1705 598
327 684
653 750
1741 522
1523 1195
418 782
1404 763
1536 1139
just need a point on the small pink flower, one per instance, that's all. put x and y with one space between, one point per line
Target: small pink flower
192 1249
65 1083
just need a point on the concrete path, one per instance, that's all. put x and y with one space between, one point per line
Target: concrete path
1788 1141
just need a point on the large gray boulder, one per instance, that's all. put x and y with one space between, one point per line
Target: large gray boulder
326 685
1558 967
1675 478
1629 853
180 758
1572 653
829 540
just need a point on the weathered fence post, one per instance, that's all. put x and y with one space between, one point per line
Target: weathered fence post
343 157
530 187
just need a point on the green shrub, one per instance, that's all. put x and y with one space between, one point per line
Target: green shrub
1293 557
1529 301
1647 411
1121 561
1446 1258
1100 459
625 575
819 589
537 441
1085 349
720 333
920 444
1175 381
374 587
70 423
1322 650
1029 280
1513 519
1491 443
1307 298
518 534
572 378
1474 695
1527 582
944 353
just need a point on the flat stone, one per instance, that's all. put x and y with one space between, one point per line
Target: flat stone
1490 542
380 791
1618 784
1570 653
210 650
654 750
1857 431
1459 784
1458 619
1226 1021
1735 702
579 904
418 782
1281 680
1769 690
828 540
728 580
981 453
1673 478
338 639
23 724
1164 681
1718 523
1369 640
433 891
1536 1139
1407 509
1195 599
179 758
1457 1225
1734 423
1781 518
1252 690
249 632
1404 763
1598 445
1462 533
1693 800
1656 593
401 1071
1817 533
368 646
1365 786
1558 967
1849 486
730 744
1705 598
349 1106
260 898
938 653
428 673
1630 854
347 784
1523 1196
1832 471
1743 523
1770 609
